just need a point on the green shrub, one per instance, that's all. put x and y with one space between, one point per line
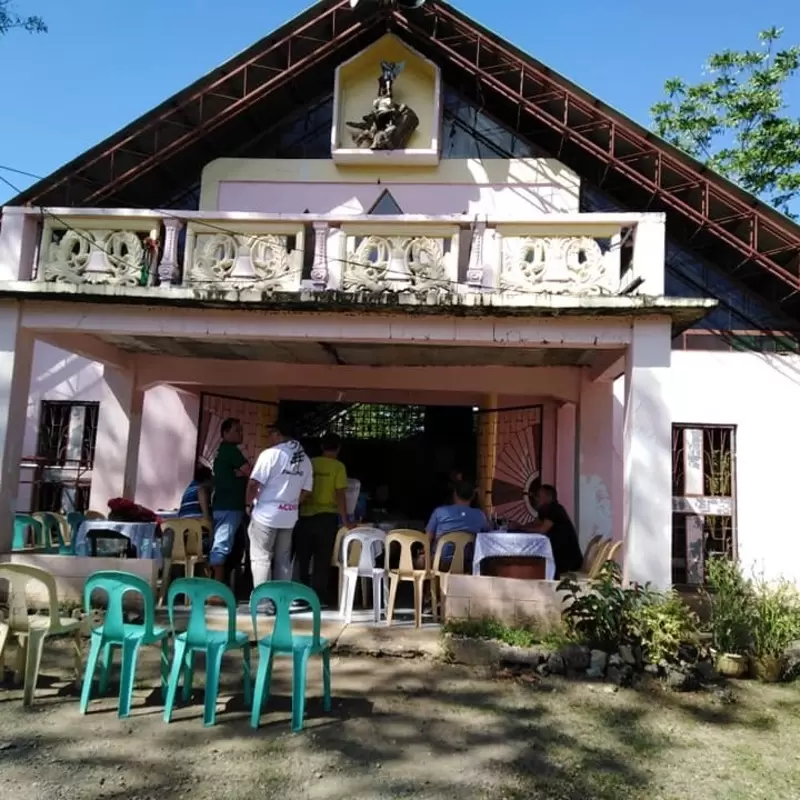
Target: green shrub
600 617
730 597
608 615
662 624
775 620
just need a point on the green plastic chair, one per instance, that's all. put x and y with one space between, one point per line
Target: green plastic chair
21 524
74 519
53 541
283 642
115 632
198 638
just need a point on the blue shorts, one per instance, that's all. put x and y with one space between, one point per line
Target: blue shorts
226 523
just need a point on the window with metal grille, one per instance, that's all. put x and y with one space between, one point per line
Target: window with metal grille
378 421
64 456
67 433
703 498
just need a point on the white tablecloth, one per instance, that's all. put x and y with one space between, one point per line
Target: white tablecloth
499 543
141 534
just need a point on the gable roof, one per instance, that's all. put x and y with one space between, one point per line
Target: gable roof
756 246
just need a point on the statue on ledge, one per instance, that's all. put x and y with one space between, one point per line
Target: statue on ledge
389 125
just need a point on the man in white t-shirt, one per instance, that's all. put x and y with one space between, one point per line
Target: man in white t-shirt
280 479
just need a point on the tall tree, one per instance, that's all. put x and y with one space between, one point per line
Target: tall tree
737 121
11 19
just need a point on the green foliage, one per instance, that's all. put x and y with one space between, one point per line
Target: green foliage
661 625
736 121
601 617
609 615
10 20
730 599
492 629
776 617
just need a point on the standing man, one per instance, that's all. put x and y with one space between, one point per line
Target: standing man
231 469
280 480
320 516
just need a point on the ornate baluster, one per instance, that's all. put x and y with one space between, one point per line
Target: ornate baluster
319 267
168 272
475 268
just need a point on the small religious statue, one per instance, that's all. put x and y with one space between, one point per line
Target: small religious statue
389 125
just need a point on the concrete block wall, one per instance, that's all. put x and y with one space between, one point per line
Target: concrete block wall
508 600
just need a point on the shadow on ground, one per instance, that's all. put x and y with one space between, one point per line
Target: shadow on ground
402 728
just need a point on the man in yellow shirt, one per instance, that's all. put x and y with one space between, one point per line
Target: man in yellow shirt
320 516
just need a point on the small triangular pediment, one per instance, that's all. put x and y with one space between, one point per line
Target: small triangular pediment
385 204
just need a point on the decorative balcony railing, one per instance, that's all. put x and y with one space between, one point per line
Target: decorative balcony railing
568 254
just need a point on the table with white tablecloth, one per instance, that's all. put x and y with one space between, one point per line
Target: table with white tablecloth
513 545
142 536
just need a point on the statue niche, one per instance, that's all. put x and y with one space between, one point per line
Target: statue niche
389 125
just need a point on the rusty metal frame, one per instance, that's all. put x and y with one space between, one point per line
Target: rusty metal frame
741 235
757 235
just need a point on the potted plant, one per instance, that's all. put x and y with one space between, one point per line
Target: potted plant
775 625
729 596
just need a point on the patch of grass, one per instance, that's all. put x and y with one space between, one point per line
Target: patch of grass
516 636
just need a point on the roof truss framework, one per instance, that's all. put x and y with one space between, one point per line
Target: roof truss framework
748 240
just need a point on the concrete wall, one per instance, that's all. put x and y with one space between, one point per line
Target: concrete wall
495 187
169 428
760 395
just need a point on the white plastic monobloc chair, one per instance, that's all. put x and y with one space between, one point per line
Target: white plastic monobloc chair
371 541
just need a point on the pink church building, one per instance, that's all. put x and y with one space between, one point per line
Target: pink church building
492 271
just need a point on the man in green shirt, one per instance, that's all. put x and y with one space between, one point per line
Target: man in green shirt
231 469
320 516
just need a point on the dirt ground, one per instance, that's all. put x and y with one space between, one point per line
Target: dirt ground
405 728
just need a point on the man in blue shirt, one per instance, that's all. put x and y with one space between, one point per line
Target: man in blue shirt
459 516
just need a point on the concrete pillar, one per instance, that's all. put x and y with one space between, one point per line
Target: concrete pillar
647 456
19 238
595 435
119 428
16 359
649 252
566 476
168 446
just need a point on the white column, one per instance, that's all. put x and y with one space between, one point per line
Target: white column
649 253
19 238
647 456
595 469
119 428
16 358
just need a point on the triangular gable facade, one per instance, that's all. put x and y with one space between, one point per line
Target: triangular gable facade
156 160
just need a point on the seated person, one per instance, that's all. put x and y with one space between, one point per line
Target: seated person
458 516
554 522
196 500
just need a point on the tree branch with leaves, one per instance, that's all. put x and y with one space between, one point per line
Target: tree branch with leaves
737 121
11 19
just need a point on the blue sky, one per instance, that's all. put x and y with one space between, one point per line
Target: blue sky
105 62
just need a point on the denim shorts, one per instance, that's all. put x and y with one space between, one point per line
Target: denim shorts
226 523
